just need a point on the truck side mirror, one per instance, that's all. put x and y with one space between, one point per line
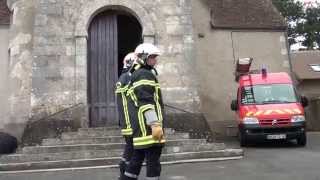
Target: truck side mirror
304 101
234 105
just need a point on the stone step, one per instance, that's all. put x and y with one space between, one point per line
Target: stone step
101 140
113 161
108 146
111 132
91 140
20 158
99 132
100 128
91 154
106 129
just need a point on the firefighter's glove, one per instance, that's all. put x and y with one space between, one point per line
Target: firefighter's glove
157 131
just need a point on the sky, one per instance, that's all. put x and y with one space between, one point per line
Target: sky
310 2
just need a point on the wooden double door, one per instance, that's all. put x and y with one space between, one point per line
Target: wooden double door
112 34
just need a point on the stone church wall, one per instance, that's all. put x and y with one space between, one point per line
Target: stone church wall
49 50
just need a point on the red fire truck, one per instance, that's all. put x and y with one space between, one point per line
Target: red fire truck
268 106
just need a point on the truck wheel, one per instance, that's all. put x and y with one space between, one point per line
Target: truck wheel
302 140
243 140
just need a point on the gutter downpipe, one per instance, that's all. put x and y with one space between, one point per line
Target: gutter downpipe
289 56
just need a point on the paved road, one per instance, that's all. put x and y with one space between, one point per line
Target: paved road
269 161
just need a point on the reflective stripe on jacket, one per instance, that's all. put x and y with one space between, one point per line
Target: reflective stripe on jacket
144 94
122 102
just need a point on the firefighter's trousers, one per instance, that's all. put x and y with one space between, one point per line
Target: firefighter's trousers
152 156
127 154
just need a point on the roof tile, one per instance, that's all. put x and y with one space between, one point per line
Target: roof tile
245 14
301 62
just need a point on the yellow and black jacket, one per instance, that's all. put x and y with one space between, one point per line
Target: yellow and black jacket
122 102
144 94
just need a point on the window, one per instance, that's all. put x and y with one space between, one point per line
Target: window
268 94
315 67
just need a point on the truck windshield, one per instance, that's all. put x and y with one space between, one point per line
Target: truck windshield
268 94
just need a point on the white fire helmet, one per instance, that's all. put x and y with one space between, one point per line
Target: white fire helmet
129 60
144 50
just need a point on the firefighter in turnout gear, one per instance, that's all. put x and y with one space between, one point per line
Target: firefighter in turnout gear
124 122
146 114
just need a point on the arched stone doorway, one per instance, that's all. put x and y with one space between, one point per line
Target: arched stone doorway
111 35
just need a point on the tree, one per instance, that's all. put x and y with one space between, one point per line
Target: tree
302 21
293 12
309 28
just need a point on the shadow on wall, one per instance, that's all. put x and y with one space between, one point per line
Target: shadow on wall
313 115
51 127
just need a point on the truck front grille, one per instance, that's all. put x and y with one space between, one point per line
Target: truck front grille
274 122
